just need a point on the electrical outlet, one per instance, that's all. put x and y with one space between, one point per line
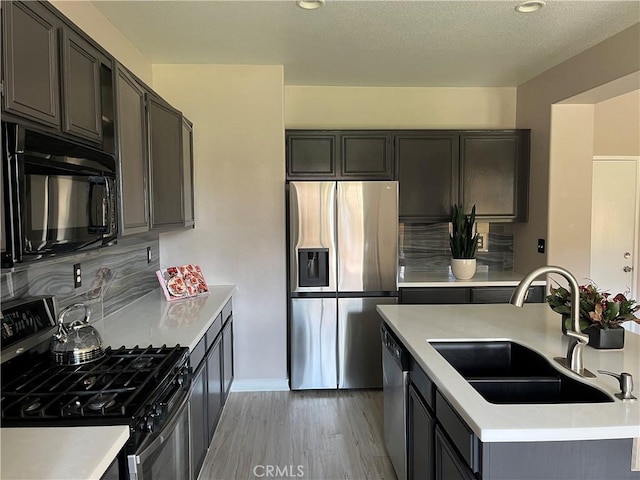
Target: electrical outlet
541 245
148 254
77 276
483 242
482 228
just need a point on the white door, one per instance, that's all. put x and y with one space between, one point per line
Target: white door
614 241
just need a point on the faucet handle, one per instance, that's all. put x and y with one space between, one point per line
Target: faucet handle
626 385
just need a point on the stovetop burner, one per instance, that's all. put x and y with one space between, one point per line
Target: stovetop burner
118 386
102 401
31 405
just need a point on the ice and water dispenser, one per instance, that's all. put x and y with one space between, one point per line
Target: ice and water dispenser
313 267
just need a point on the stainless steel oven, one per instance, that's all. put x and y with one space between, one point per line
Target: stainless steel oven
145 388
165 453
58 196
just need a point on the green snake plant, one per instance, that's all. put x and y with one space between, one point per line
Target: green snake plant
463 239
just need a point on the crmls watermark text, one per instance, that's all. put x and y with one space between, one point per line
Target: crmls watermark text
271 471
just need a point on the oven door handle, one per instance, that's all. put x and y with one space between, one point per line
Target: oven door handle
156 441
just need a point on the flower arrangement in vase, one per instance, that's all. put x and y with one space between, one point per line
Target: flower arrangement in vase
601 314
463 241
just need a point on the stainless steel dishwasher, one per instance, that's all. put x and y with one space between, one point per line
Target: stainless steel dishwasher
395 380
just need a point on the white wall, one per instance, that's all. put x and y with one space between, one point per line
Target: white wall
399 107
612 59
95 24
570 178
239 166
617 125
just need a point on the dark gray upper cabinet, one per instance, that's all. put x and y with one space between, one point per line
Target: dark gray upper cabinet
54 75
187 160
82 105
436 169
366 155
349 155
311 154
164 125
427 173
494 174
133 173
31 77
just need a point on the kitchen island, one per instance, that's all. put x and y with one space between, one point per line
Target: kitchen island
531 425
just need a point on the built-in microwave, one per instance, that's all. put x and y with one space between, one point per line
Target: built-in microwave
58 196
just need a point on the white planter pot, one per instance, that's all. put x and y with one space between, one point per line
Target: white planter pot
463 268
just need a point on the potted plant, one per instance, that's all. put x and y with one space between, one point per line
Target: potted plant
463 241
601 315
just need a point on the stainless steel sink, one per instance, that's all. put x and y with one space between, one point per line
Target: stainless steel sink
506 372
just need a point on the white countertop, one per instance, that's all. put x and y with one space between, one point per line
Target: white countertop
535 326
487 278
74 453
151 320
70 453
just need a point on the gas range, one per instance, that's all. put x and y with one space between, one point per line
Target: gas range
109 391
145 388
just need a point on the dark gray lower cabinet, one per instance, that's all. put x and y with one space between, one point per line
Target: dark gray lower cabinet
458 295
441 446
227 357
212 361
420 425
214 384
197 418
449 465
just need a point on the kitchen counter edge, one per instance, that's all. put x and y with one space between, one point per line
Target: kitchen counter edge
417 279
537 327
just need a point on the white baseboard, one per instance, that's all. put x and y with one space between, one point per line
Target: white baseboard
260 385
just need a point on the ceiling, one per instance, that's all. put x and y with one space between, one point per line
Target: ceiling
373 43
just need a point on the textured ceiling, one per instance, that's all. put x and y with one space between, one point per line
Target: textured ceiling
373 43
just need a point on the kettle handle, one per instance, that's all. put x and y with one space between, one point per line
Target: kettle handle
76 323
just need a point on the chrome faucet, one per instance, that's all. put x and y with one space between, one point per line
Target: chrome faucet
573 360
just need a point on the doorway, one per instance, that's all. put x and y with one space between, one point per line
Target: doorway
614 226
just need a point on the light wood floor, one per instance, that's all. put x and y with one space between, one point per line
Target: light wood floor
323 435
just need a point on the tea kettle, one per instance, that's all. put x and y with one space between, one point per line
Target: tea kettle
76 342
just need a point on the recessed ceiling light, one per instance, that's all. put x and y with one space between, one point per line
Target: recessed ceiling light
310 4
530 7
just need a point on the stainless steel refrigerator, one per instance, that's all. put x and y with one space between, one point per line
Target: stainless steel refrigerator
343 243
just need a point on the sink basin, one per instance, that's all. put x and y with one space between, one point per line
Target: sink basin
506 372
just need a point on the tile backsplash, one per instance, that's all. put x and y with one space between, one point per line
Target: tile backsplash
112 276
425 247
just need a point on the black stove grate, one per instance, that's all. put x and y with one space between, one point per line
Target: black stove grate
116 386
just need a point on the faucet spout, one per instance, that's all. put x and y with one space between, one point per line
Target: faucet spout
579 340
